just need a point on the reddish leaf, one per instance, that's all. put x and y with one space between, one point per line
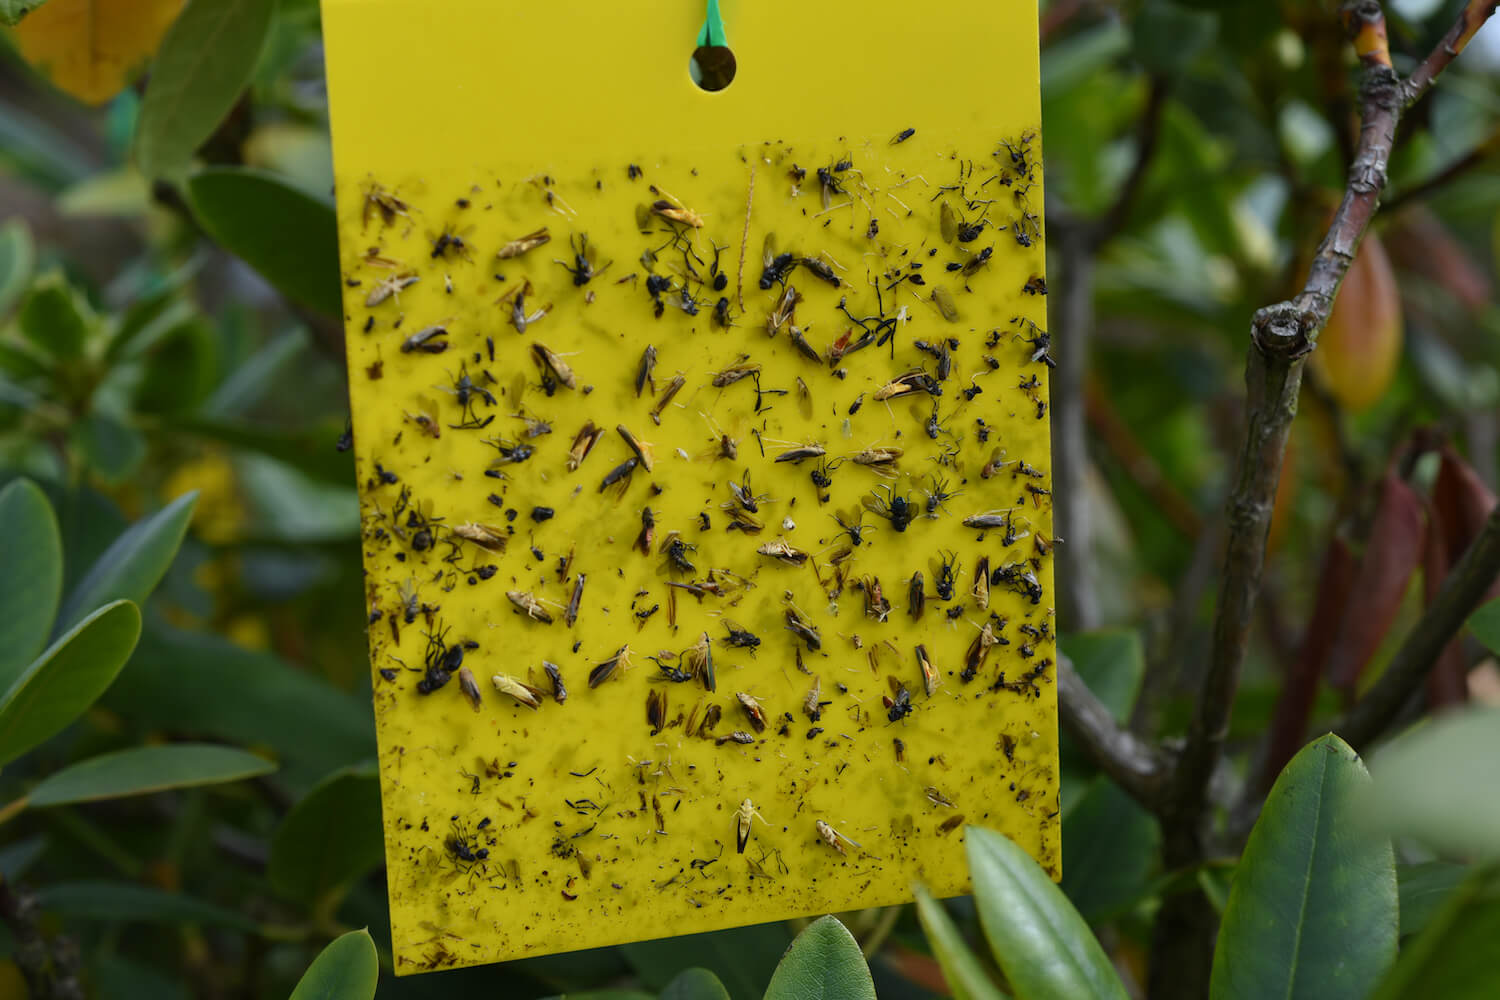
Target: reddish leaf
1447 681
1300 687
1464 503
1419 242
1390 557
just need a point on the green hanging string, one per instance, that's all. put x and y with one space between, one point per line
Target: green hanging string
712 33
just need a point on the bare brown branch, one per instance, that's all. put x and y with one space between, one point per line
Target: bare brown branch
1134 764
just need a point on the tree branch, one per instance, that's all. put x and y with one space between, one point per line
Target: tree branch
1462 591
1134 764
1421 189
1078 603
1468 23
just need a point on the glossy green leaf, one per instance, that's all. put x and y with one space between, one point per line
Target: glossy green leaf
1485 624
695 984
1454 958
126 901
54 317
204 685
205 60
112 448
17 258
141 770
1313 909
64 681
1434 784
824 963
134 564
1042 945
332 836
31 569
1424 888
1109 850
345 970
298 254
741 957
965 975
11 11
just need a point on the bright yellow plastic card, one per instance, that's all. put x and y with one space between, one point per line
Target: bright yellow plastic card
703 456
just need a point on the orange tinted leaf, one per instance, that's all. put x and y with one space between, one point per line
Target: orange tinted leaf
92 48
1391 555
1463 500
1447 681
1360 347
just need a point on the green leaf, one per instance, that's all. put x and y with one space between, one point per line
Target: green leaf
54 318
205 60
1166 37
297 252
1313 909
1424 888
346 970
141 770
824 963
11 11
742 957
965 975
605 995
1109 848
64 681
308 448
31 566
695 984
1112 663
200 684
112 448
179 373
331 837
1433 783
1454 958
1041 943
17 257
1484 622
134 564
126 902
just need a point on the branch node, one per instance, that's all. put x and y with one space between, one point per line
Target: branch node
1282 331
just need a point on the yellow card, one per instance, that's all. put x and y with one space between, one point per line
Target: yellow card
703 459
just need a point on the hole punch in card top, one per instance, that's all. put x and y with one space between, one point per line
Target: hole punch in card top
703 457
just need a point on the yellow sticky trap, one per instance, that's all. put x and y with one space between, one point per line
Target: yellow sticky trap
726 413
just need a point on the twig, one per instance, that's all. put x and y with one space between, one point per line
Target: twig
49 968
1135 765
1078 603
1462 591
1148 131
1138 463
1281 337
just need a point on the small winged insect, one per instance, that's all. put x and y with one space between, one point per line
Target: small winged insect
898 703
916 595
520 318
673 387
775 267
1040 341
744 816
428 340
930 678
802 627
511 452
656 709
745 496
753 711
898 510
829 183
553 365
782 551
645 373
734 373
677 551
619 662
518 691
945 575
583 443
785 310
834 839
528 603
463 846
379 200
390 287
667 207
721 314
978 652
801 453
937 495
740 637
554 674
523 244
803 345
698 659
823 270
486 536
449 241
810 703
583 268
852 524
467 393
571 615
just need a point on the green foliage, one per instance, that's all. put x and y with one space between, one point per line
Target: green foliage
299 254
11 11
962 970
54 318
17 258
1453 958
1485 624
345 970
31 586
1313 911
133 566
695 984
204 62
330 837
824 963
143 770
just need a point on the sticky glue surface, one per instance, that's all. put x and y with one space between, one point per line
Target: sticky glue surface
703 457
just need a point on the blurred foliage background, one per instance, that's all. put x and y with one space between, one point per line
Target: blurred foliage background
168 326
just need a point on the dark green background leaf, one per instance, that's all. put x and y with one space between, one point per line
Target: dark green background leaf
1454 958
141 770
54 318
695 984
204 61
31 568
961 968
134 564
17 256
742 958
330 837
299 254
125 901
